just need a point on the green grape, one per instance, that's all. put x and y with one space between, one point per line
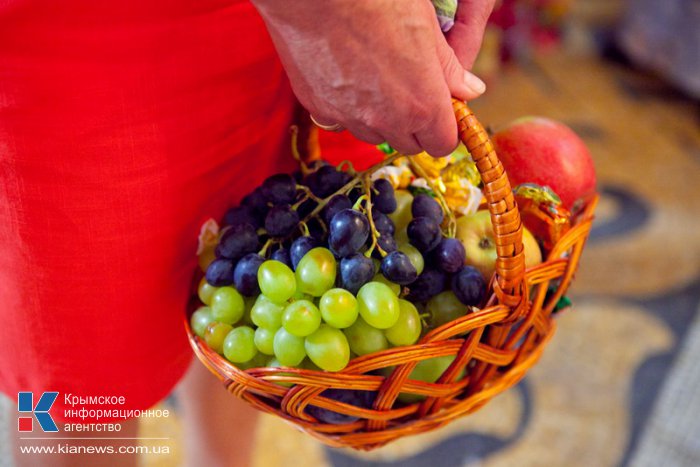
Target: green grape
307 364
401 236
445 307
328 348
364 339
248 302
396 288
429 371
276 281
205 291
215 334
288 348
227 305
407 329
200 319
301 318
264 340
259 361
414 256
339 308
266 314
239 345
316 271
402 215
378 305
299 295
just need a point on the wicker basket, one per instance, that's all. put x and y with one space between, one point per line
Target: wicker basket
495 346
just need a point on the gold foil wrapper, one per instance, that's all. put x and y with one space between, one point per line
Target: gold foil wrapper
462 196
431 165
463 168
398 173
542 213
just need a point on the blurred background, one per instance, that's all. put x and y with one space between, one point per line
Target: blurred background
619 384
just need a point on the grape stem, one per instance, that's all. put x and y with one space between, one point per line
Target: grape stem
424 319
307 194
322 202
359 202
351 168
352 184
294 130
452 222
368 211
268 244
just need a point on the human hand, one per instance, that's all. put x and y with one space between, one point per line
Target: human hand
468 31
380 68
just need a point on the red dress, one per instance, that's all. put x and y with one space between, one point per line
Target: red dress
123 126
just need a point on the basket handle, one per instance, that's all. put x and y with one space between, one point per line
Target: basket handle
508 229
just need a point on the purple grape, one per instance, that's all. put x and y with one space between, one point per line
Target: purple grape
355 271
311 181
387 243
469 286
280 189
316 230
383 198
424 233
281 220
237 241
428 284
363 399
339 179
449 255
383 223
282 255
242 215
426 206
325 181
220 272
300 247
256 200
245 276
336 204
349 230
397 267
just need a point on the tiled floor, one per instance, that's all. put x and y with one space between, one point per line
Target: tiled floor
618 384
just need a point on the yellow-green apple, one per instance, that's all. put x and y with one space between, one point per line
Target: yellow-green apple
476 234
546 152
402 215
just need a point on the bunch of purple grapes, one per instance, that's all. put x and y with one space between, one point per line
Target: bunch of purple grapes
422 260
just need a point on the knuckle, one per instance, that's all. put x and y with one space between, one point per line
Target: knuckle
374 120
421 117
405 146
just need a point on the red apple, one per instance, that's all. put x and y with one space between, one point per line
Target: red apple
546 152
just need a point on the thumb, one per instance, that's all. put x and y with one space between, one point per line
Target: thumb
468 31
462 84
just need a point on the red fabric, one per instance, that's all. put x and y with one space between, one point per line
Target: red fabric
338 147
123 125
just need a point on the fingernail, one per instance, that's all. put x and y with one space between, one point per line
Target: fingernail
474 83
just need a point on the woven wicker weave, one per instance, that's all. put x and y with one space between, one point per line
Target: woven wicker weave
495 346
